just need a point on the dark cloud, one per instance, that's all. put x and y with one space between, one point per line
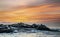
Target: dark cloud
54 1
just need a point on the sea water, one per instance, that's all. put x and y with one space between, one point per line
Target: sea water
31 33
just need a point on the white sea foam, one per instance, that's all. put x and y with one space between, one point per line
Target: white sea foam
32 33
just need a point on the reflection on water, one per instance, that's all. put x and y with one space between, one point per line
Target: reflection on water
32 33
27 35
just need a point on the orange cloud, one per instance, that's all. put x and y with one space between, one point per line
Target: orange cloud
31 14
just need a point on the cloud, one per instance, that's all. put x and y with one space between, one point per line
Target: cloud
35 14
39 11
54 1
10 4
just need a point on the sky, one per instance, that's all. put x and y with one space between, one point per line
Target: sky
31 11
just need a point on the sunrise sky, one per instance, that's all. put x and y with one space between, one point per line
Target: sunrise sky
31 11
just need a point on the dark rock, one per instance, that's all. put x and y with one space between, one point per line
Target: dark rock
42 27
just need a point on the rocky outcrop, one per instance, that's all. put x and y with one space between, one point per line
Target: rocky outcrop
18 26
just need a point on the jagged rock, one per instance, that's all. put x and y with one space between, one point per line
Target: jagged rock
42 27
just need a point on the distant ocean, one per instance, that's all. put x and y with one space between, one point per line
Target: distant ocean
31 33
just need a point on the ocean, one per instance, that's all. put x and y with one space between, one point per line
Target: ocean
31 33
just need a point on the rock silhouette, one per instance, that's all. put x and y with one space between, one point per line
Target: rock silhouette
18 26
